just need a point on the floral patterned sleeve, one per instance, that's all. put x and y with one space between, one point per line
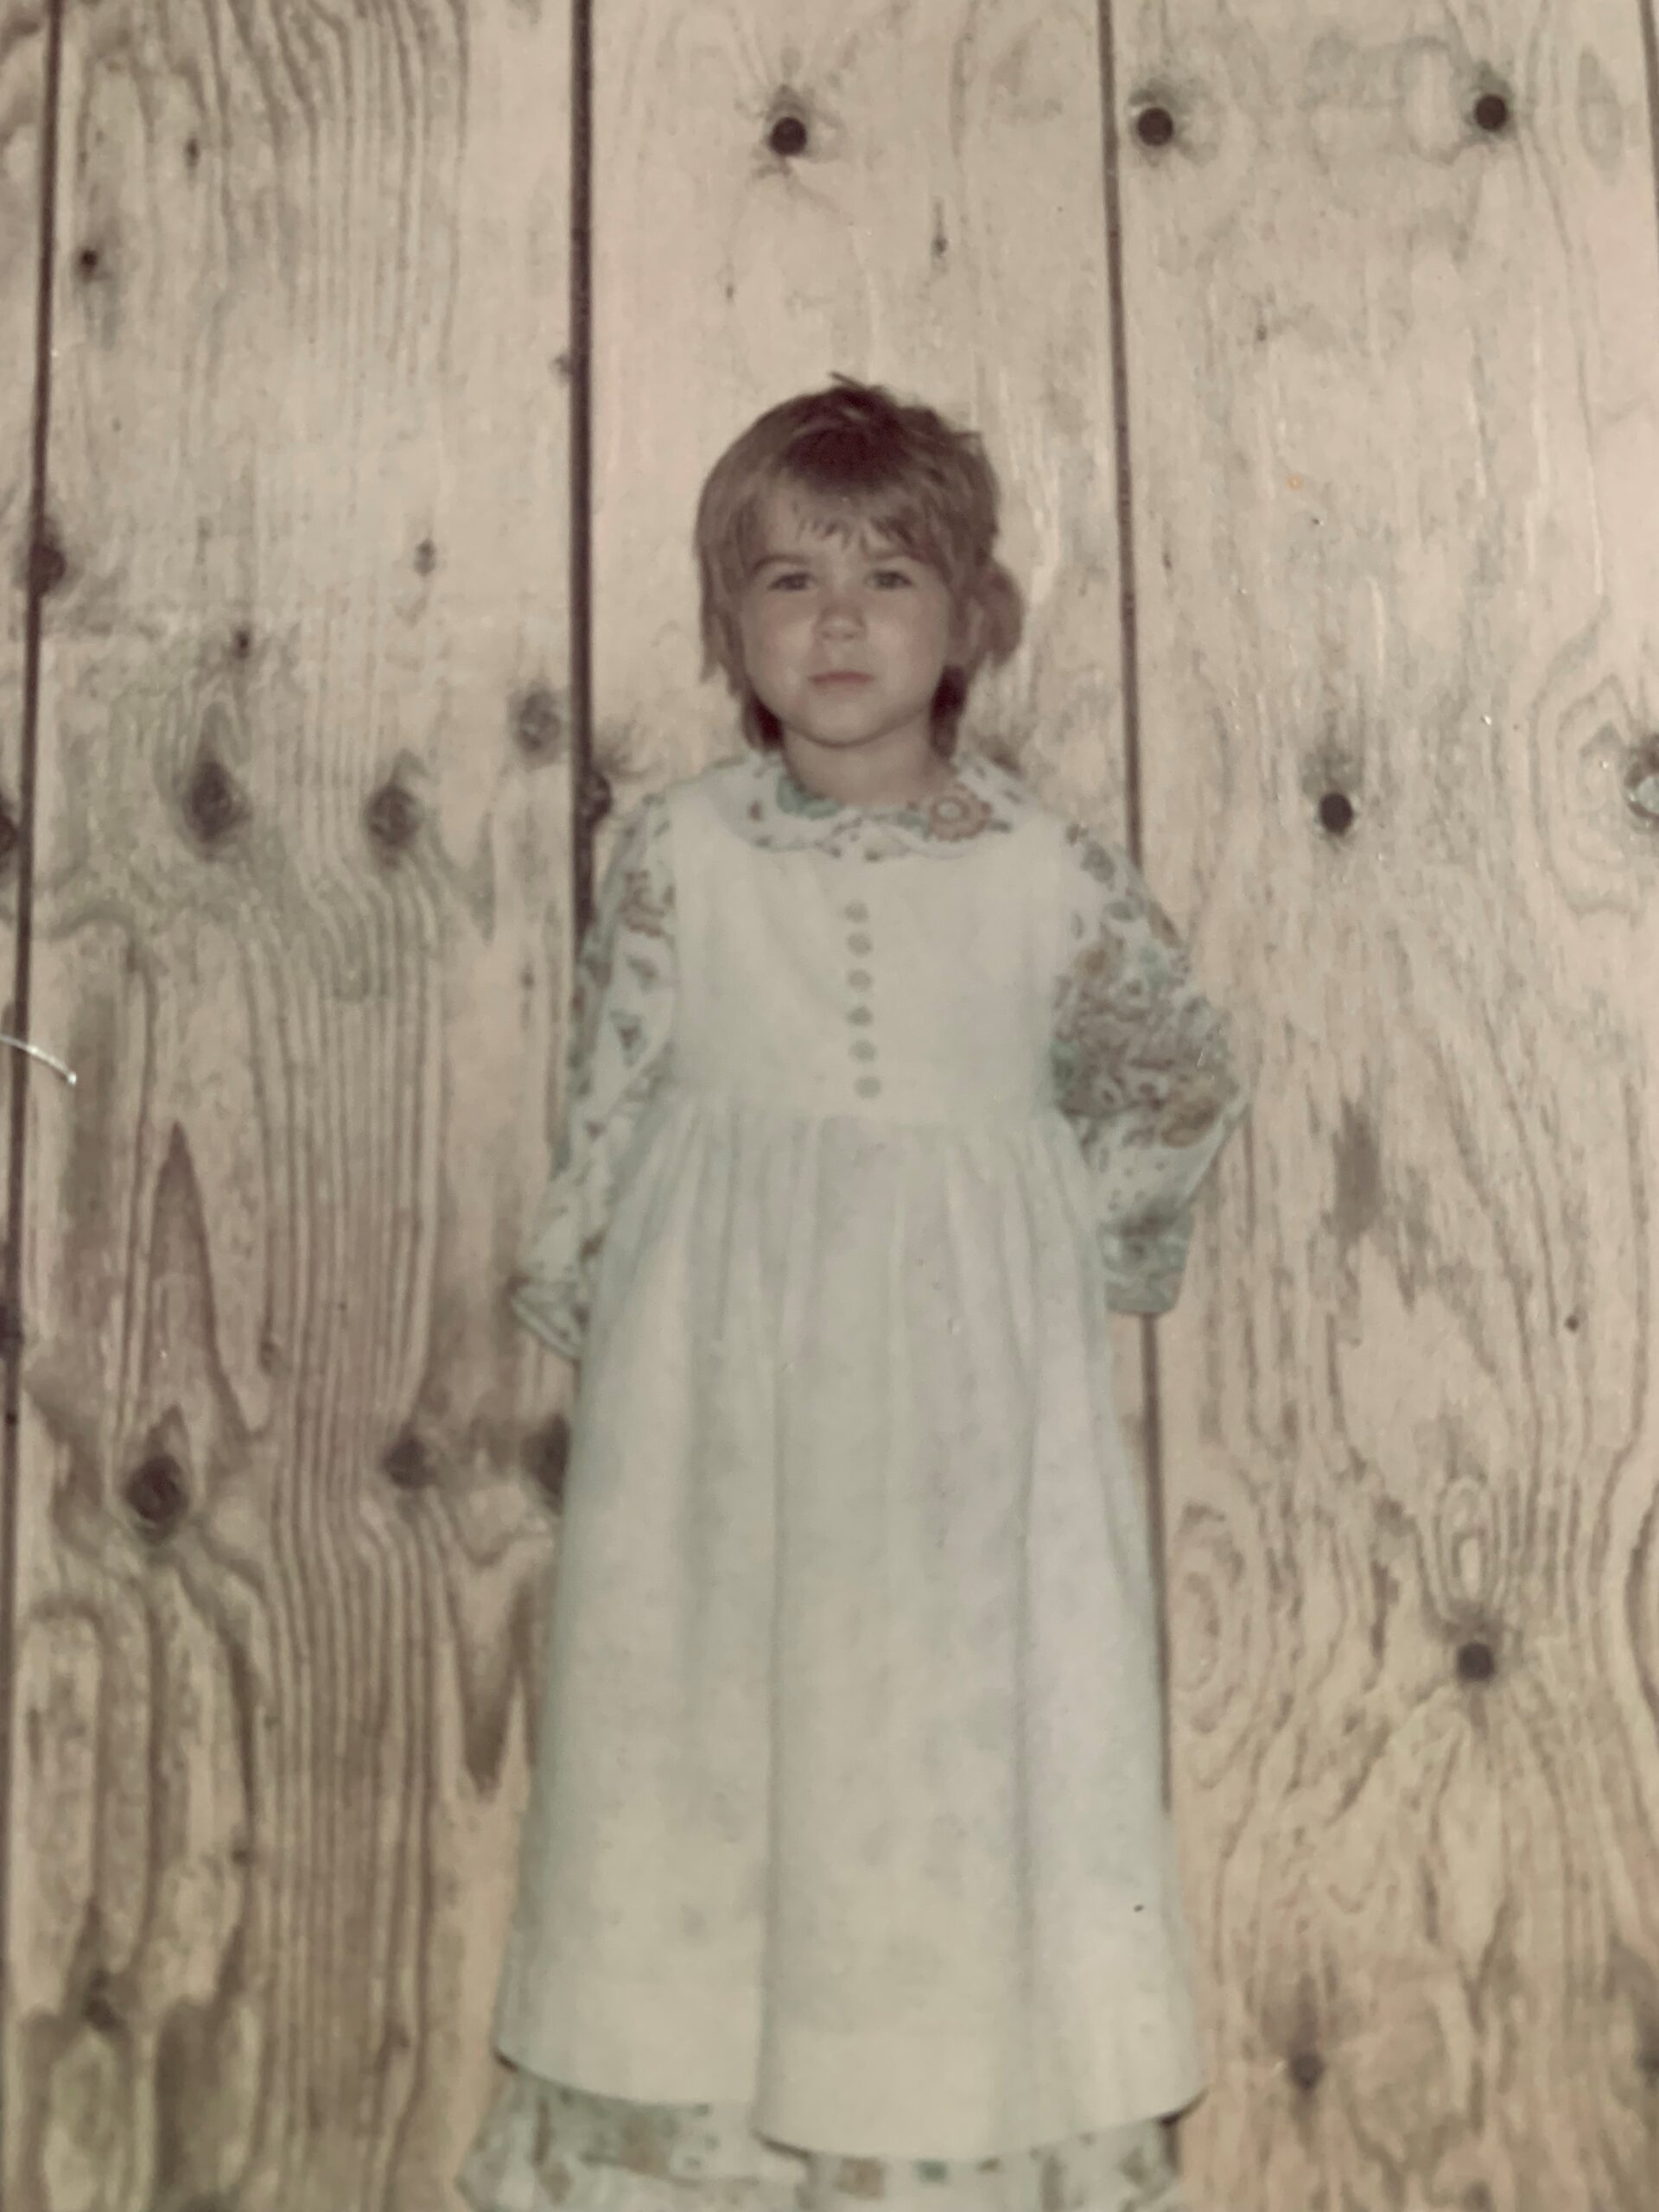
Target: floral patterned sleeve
1144 1069
621 1028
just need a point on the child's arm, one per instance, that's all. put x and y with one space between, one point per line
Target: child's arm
621 1030
1144 1068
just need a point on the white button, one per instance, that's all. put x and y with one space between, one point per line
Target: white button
859 978
859 945
861 1016
858 912
864 1050
867 1087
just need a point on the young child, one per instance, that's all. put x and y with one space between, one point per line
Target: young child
847 1873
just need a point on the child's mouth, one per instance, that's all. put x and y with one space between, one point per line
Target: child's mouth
842 676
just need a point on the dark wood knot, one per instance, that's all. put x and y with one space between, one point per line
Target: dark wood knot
213 803
426 557
788 137
1491 111
1307 2070
1642 782
48 564
410 1464
98 2008
192 152
11 836
392 816
537 724
547 1454
157 1495
11 1329
1154 126
595 800
1475 1663
87 261
1337 813
241 641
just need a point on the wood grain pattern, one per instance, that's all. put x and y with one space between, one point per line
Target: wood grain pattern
940 230
25 112
1392 284
301 928
23 62
1396 428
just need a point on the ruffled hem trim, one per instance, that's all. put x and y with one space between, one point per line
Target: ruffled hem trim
489 2183
542 2148
528 2157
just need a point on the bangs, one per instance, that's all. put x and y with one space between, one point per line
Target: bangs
850 503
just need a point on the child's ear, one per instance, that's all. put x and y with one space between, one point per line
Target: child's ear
1000 605
967 639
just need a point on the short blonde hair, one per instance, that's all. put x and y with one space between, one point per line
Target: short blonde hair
907 473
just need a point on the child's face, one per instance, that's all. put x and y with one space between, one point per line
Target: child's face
845 637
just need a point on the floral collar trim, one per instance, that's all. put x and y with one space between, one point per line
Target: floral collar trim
765 802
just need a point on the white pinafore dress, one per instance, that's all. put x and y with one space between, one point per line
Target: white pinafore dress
846 1813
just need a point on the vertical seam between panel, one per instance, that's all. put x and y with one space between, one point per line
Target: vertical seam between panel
1117 336
39 582
1650 66
582 812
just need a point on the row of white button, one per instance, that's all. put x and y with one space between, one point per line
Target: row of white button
861 943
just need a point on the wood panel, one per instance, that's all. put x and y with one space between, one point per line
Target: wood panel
26 110
939 231
301 930
1394 312
23 69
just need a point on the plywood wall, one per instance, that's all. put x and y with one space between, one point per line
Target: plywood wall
299 925
1316 351
939 225
1392 290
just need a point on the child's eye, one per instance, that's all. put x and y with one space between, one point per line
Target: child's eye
885 577
789 579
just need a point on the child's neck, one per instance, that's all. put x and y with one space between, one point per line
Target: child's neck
866 775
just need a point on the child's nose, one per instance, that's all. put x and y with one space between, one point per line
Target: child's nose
840 611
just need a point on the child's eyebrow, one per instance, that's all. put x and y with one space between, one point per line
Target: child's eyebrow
804 560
